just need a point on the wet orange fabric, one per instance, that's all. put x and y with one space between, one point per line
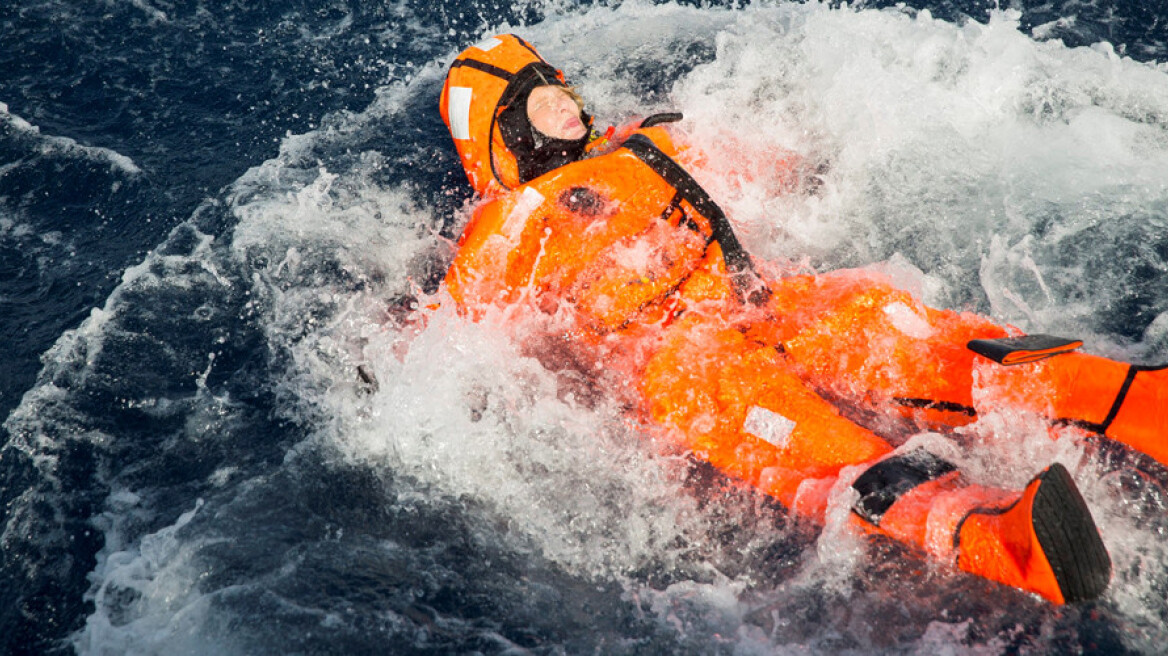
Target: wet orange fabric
855 334
706 379
1139 422
596 234
1003 547
752 389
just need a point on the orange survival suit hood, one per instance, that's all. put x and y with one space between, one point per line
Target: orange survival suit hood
484 104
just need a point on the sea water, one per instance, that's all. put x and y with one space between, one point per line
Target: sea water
217 220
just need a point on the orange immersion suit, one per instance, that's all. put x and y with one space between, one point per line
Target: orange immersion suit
739 369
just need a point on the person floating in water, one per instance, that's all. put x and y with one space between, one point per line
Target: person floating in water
612 243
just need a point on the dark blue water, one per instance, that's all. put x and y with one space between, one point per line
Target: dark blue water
211 212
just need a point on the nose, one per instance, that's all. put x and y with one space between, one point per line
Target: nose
565 106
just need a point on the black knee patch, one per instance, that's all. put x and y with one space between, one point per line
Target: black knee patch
1027 348
888 480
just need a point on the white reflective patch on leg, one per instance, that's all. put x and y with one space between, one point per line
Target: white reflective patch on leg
458 108
908 321
486 44
768 425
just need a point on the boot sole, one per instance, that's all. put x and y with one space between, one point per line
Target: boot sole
1069 538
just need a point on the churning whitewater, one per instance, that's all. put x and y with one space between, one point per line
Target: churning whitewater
274 433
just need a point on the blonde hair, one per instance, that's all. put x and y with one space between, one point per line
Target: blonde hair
571 91
575 96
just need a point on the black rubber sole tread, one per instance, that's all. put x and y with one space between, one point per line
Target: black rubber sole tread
1069 537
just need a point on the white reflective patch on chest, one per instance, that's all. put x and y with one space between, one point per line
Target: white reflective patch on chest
768 425
458 108
529 200
906 320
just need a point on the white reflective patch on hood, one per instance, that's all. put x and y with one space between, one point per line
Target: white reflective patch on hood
908 321
486 44
768 425
458 108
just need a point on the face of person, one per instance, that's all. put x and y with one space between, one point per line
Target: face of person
554 112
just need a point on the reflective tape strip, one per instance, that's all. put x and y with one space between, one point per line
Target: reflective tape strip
458 104
487 44
769 425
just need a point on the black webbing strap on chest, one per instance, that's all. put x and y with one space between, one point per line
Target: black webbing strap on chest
737 259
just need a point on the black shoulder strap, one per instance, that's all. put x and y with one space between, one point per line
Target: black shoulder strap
659 119
484 67
737 259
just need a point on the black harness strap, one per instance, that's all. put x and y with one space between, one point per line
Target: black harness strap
1116 405
686 221
658 119
1120 397
484 67
737 260
1132 371
930 404
673 206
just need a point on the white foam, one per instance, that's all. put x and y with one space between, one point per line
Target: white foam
149 586
949 133
56 145
155 14
937 137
